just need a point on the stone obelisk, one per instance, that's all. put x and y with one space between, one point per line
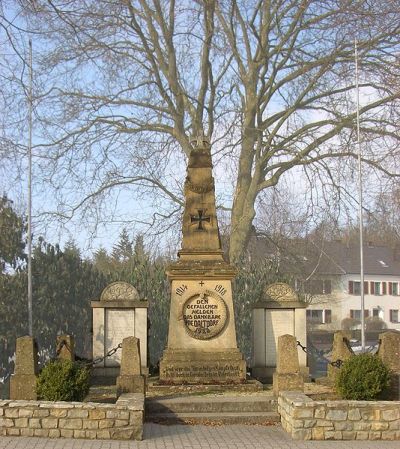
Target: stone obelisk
202 344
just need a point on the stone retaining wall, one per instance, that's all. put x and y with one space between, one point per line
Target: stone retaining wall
123 420
305 419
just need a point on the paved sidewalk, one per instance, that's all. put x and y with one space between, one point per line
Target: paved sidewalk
197 437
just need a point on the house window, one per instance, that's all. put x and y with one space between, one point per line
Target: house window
375 288
319 316
394 316
327 316
375 312
356 314
355 288
393 288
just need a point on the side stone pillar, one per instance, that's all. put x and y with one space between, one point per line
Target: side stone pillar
287 375
65 347
23 381
341 351
389 353
130 379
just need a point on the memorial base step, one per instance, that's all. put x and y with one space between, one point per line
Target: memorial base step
236 409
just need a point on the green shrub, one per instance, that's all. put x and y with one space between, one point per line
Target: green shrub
63 380
363 377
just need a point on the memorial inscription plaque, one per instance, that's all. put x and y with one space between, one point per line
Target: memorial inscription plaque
204 315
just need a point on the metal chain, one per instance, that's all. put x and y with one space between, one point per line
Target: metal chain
94 361
320 354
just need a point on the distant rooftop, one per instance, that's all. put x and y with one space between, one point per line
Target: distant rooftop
305 256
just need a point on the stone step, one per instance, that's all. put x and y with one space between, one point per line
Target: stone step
261 418
212 404
102 393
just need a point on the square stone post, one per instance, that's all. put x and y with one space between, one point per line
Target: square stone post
23 381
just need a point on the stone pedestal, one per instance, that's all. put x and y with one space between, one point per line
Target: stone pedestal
287 375
202 337
130 379
278 312
23 381
118 314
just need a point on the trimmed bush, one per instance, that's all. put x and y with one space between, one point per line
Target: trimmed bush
363 377
63 380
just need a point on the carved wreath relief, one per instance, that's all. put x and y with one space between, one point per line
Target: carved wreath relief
205 314
119 291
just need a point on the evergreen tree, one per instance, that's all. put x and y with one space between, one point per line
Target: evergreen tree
123 250
12 229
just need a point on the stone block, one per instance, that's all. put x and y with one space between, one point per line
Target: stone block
389 435
41 432
318 433
34 423
302 434
287 356
54 433
73 423
79 434
49 423
336 415
349 435
21 422
354 414
343 425
58 413
287 382
13 432
90 424
67 433
379 426
130 384
333 435
362 435
319 412
23 386
77 413
106 423
375 435
91 434
25 413
26 432
97 414
303 412
65 347
130 358
390 415
121 422
394 425
41 413
11 413
103 434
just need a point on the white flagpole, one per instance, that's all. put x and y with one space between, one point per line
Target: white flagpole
30 100
360 203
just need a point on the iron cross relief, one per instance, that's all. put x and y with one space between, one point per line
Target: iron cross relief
200 218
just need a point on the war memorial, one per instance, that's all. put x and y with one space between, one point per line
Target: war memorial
201 355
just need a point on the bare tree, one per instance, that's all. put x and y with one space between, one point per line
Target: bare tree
124 83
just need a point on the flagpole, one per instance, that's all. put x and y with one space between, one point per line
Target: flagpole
360 202
30 100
